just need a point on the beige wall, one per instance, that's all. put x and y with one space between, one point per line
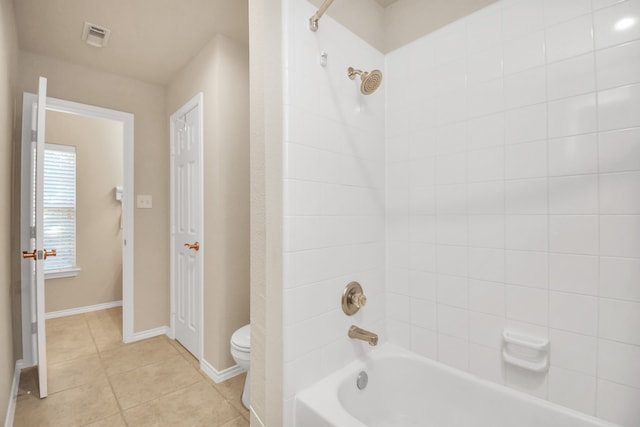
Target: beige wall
221 72
265 38
8 64
146 101
98 145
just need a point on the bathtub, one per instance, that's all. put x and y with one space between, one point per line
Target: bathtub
407 390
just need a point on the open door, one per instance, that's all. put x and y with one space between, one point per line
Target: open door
36 254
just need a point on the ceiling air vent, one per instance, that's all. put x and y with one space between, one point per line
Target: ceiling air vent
95 35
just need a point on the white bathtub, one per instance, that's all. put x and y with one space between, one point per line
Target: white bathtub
407 390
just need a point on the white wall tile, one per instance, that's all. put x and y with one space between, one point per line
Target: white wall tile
486 330
484 66
618 403
573 390
576 234
526 381
422 285
486 264
599 4
422 257
453 321
620 193
556 11
397 307
451 138
524 53
485 98
572 116
619 150
525 88
527 196
486 164
453 290
528 160
527 232
487 297
618 362
484 28
611 30
569 39
522 17
451 199
575 352
487 131
424 342
617 108
620 278
423 313
528 305
573 155
573 195
452 260
527 268
451 169
486 231
619 321
486 198
422 228
619 235
618 65
574 273
452 229
486 363
574 313
422 200
453 351
526 124
570 77
451 42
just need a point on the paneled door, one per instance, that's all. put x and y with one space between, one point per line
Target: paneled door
187 225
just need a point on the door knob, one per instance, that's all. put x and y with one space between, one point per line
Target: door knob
27 254
195 246
52 252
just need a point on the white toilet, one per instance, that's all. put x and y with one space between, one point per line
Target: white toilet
241 352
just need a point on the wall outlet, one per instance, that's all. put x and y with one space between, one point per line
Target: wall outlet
144 201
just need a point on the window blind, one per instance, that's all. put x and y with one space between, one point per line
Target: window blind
60 205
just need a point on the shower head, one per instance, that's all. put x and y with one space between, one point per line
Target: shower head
370 80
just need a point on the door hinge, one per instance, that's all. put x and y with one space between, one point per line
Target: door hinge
34 328
32 232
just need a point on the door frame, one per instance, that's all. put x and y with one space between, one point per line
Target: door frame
127 120
196 101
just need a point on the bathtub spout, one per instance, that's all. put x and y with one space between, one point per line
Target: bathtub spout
361 334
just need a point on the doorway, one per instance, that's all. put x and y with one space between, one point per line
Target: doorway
187 246
126 121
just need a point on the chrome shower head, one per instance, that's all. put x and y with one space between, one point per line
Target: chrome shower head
370 80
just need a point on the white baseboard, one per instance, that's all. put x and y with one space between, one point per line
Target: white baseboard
150 333
219 376
13 397
255 417
80 310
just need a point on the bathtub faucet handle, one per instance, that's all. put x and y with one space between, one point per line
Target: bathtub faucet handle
353 298
359 299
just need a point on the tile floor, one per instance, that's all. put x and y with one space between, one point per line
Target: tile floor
96 380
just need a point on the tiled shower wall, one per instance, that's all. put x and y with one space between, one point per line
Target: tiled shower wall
334 198
513 165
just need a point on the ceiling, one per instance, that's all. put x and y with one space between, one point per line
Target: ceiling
150 39
385 3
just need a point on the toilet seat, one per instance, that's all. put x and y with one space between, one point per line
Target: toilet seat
241 339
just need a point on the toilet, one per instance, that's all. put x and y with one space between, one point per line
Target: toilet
241 352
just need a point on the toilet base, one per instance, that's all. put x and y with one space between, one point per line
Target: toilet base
246 392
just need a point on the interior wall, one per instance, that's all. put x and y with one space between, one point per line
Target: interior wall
99 170
266 157
334 199
9 329
221 72
147 102
513 182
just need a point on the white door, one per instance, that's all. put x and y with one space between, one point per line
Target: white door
36 255
186 200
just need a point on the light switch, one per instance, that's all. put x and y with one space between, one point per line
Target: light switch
144 201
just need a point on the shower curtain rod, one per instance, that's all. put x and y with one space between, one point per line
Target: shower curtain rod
313 21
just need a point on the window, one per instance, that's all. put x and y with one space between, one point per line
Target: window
60 210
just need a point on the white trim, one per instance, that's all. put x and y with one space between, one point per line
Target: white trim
80 310
257 418
219 376
62 272
13 396
149 333
196 102
127 120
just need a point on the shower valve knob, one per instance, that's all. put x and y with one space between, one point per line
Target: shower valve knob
359 300
353 298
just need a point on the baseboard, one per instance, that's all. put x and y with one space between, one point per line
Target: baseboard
13 397
149 333
255 419
80 310
219 376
